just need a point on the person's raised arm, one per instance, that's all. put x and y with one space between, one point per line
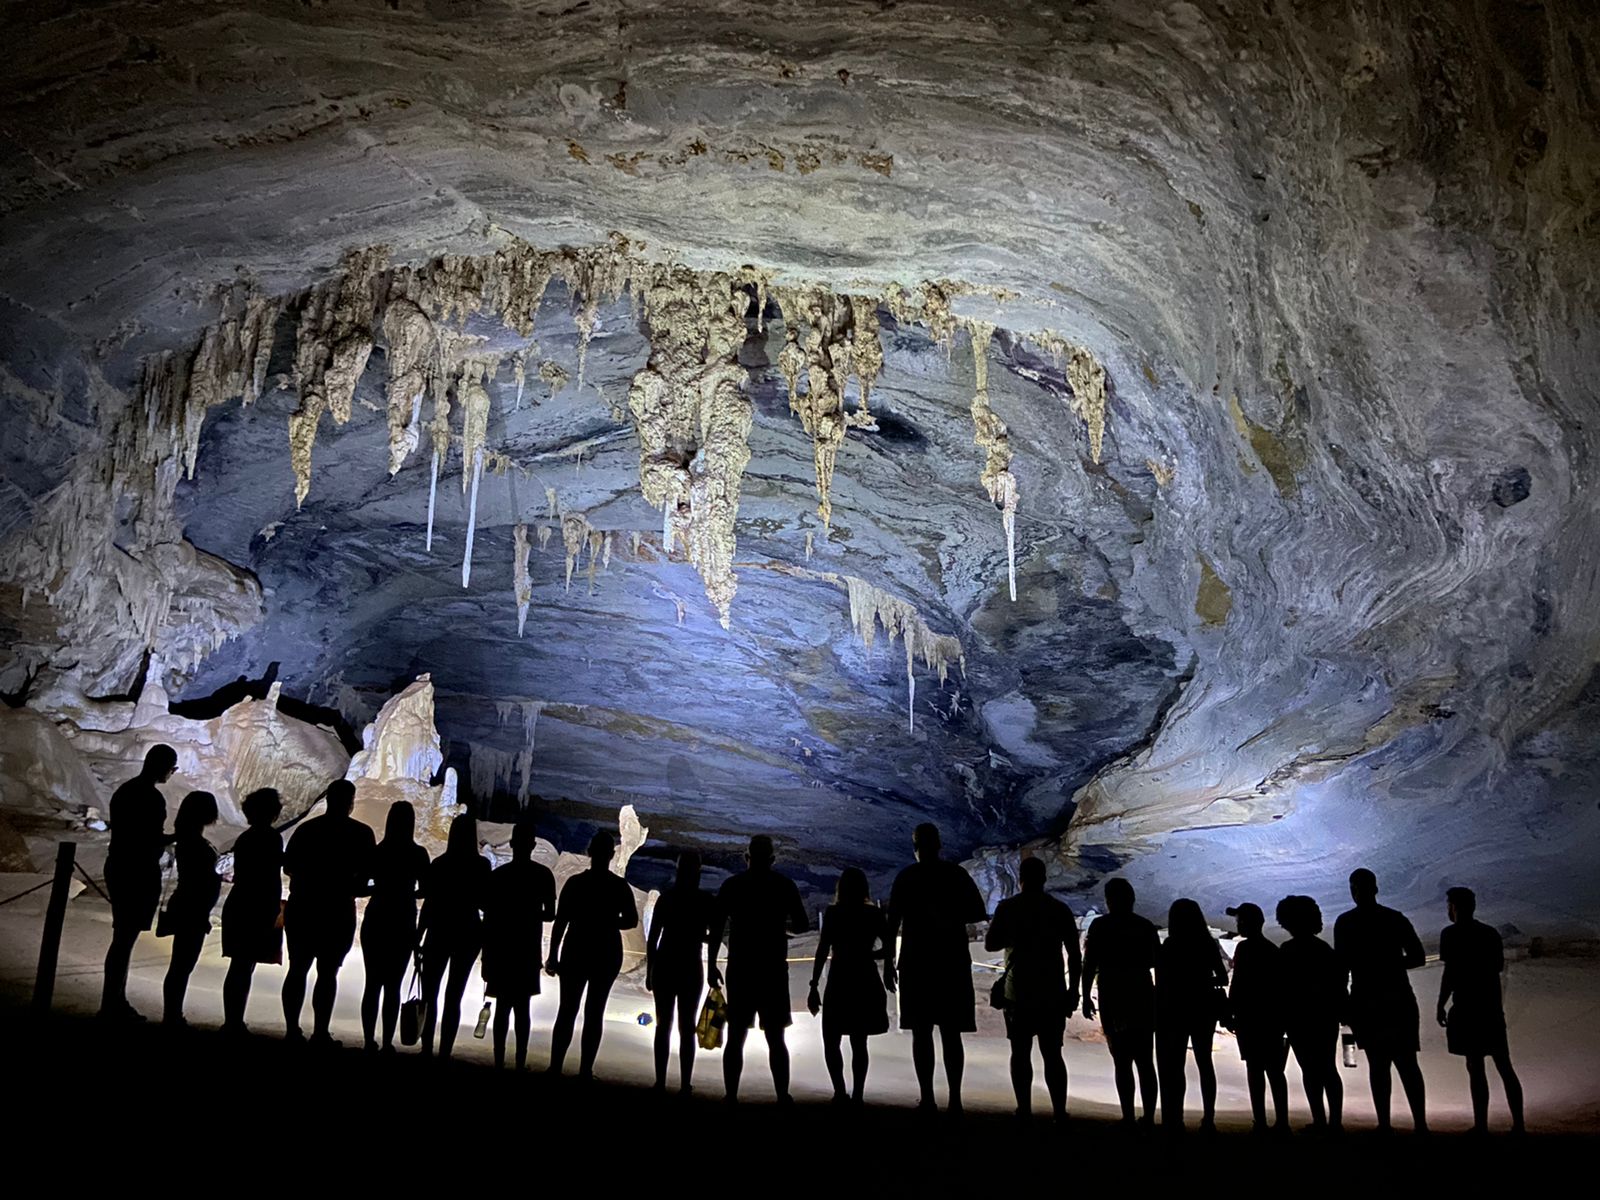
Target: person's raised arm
719 918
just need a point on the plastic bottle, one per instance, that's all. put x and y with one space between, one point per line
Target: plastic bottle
482 1027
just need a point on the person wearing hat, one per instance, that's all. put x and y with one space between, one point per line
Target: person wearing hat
1256 998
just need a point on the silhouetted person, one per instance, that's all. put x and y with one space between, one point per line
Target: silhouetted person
451 930
675 966
133 871
586 952
1475 1020
1376 947
759 908
189 907
1190 978
389 927
328 862
522 897
855 1005
1040 987
1120 951
1314 1000
250 930
1259 1017
930 906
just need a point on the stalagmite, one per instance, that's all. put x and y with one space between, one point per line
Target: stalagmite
522 582
871 606
989 431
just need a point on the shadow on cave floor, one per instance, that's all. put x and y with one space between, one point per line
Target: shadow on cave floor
98 1100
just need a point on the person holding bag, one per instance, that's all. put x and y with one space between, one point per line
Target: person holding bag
389 928
855 1005
456 888
187 917
1190 1000
675 967
252 925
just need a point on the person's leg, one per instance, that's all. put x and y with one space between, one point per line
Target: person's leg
1332 1084
733 1057
1055 1075
859 1060
1122 1069
1478 1089
325 992
294 989
1022 1074
394 981
1410 1072
566 1018
594 1021
1256 1079
185 954
955 1063
1382 1085
778 1059
1513 1086
1278 1081
455 987
666 1005
114 990
688 1016
372 965
1171 1051
922 1061
502 1026
833 1059
236 991
434 962
1201 1038
524 1021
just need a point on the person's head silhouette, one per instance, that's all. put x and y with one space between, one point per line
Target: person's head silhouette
463 837
1186 921
401 823
601 848
1363 886
198 810
688 870
1461 903
852 888
925 842
523 839
1119 896
761 854
341 798
1248 919
1300 916
262 806
160 761
1031 875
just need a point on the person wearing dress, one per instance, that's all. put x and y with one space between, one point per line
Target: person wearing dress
1314 1001
389 928
252 929
188 915
1191 979
855 1005
451 930
522 897
1120 951
594 908
675 966
1471 1008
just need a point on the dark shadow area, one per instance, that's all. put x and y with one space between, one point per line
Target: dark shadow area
203 708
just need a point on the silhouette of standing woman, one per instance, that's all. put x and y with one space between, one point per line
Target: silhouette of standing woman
451 930
1120 950
189 909
1377 946
250 930
389 928
1258 1017
1190 978
760 908
586 952
1040 987
1475 1024
930 906
855 1005
675 967
328 862
522 897
1313 1004
133 872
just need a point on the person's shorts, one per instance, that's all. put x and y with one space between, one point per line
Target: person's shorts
1049 1027
759 995
1473 1035
323 935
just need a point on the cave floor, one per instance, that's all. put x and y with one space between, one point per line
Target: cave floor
197 1082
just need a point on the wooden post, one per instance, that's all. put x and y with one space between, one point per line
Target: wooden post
44 983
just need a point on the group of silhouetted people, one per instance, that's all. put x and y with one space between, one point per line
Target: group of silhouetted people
1160 999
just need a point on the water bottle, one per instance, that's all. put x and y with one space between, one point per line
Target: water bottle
482 1026
1347 1042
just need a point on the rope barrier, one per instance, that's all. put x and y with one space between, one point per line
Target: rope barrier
35 888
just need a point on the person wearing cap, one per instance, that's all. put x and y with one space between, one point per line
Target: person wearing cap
1376 947
1470 1005
1314 1001
1256 997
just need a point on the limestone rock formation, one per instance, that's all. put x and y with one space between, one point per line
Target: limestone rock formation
398 760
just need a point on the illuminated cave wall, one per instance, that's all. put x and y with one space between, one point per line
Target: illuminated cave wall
1326 594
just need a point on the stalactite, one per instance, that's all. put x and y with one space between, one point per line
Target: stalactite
439 440
596 542
544 537
552 508
554 377
411 358
522 582
866 351
871 606
808 545
989 431
634 541
574 536
474 436
1087 380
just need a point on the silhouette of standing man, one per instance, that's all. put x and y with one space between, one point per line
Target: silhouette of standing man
1120 950
1041 991
1475 1024
1376 947
759 908
930 906
522 897
328 861
586 951
133 871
